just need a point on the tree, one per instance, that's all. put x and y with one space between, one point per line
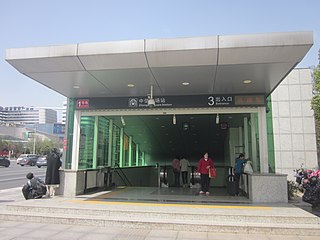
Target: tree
315 103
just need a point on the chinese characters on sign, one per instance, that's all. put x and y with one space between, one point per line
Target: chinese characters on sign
220 100
249 100
143 102
83 103
183 101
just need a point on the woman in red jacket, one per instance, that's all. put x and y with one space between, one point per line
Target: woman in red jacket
203 168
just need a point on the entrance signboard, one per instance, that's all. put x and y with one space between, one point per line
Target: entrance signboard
171 102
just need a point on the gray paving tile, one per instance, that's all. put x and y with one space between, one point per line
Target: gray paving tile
308 237
17 231
67 235
131 236
109 230
32 225
97 236
162 233
9 223
192 235
6 237
42 233
283 237
226 236
160 238
86 229
59 227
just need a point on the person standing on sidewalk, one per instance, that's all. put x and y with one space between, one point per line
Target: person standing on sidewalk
176 171
52 173
203 168
238 170
184 164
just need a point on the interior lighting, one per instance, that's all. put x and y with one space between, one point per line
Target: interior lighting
185 126
174 120
122 121
76 86
185 84
217 119
130 85
247 81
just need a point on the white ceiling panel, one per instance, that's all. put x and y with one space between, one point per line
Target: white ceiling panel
182 58
262 54
43 65
114 61
265 77
118 81
201 79
266 39
106 48
105 69
178 44
65 82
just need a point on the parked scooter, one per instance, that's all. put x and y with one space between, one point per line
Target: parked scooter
312 191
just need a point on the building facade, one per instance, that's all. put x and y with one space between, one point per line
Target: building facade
293 123
27 115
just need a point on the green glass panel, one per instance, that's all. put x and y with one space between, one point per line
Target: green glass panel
271 153
69 127
115 159
133 154
125 159
86 142
103 137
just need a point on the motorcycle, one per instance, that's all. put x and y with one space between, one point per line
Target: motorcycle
312 191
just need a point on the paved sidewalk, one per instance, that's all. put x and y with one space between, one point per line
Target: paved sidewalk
29 231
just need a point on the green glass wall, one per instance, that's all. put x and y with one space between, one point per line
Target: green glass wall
69 137
103 141
133 154
125 159
271 155
86 145
115 155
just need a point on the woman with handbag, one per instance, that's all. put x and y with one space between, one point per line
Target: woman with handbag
204 165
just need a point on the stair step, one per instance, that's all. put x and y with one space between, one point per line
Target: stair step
165 224
212 216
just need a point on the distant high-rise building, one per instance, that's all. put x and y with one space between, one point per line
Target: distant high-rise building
64 112
27 115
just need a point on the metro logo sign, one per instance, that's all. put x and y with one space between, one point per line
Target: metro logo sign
83 103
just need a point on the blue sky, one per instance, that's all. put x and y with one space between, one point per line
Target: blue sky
58 22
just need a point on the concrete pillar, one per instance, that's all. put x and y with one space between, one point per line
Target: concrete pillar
253 158
263 140
246 137
268 188
76 140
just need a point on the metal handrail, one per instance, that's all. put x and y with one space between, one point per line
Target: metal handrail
124 175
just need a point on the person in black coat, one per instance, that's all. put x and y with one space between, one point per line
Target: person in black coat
52 173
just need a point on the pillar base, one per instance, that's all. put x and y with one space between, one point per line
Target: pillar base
268 188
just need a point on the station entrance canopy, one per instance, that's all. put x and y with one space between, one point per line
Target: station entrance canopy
207 65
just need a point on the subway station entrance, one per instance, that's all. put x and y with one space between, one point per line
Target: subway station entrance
135 105
140 150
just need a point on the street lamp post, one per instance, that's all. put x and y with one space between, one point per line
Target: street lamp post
34 141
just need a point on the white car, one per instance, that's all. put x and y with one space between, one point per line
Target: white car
19 159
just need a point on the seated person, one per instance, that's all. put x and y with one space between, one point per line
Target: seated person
34 188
